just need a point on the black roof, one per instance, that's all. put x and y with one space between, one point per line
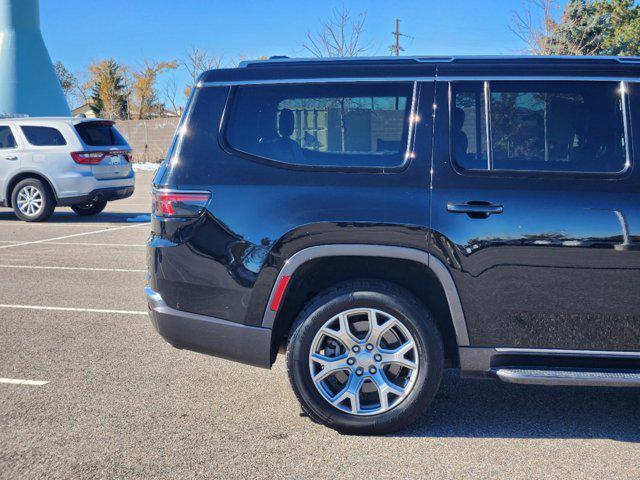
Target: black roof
300 68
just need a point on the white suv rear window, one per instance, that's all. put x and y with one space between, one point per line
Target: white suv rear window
100 134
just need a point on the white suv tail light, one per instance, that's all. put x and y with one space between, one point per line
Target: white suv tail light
95 157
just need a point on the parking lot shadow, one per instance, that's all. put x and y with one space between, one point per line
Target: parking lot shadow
71 217
488 409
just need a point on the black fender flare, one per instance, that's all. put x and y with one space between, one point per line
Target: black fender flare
387 251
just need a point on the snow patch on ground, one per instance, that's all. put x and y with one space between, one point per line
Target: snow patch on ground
145 167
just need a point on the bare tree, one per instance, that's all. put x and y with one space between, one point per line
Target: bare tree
338 36
170 91
197 61
73 88
536 25
235 62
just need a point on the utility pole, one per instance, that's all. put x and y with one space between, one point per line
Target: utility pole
397 35
396 48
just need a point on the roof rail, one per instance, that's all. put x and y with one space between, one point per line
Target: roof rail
277 59
629 59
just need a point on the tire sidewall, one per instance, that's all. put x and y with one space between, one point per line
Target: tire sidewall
48 201
428 344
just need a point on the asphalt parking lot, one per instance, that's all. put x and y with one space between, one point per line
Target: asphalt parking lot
121 403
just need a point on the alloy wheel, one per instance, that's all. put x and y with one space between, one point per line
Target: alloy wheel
30 200
364 361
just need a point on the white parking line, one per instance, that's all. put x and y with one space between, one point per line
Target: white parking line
73 235
90 269
142 245
18 381
71 309
33 225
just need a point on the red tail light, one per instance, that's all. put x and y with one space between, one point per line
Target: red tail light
95 157
88 158
174 203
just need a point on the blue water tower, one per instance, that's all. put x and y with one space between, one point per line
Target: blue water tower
28 82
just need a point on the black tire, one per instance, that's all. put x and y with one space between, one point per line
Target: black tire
48 200
391 299
87 209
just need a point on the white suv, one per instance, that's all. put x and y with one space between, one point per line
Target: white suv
47 162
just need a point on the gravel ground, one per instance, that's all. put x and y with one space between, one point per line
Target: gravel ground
121 403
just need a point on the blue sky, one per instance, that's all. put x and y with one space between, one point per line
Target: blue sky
78 32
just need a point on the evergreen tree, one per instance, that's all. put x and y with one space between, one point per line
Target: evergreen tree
586 27
108 93
582 31
623 33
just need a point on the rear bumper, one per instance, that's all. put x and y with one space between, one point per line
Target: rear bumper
210 335
108 194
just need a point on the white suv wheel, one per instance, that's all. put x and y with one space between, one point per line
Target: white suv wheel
30 200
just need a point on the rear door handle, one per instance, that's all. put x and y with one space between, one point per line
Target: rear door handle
11 157
475 209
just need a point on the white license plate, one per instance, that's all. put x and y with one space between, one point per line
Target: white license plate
115 160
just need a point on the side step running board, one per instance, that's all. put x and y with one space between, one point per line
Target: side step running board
576 377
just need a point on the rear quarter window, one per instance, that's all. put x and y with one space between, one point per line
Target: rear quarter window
100 134
330 124
7 139
43 136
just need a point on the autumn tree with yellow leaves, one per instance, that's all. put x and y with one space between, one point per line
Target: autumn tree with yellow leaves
121 92
144 102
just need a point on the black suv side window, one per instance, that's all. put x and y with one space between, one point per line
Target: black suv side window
329 124
543 126
7 139
469 128
43 136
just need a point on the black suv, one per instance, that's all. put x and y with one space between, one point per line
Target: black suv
383 219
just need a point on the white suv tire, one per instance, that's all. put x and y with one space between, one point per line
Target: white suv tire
32 200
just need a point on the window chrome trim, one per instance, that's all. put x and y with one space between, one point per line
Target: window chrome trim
407 155
533 78
314 80
624 92
412 122
487 123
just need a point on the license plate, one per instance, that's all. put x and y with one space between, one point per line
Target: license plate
115 160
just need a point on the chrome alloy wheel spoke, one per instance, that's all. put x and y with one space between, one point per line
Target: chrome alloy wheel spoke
363 361
397 356
29 200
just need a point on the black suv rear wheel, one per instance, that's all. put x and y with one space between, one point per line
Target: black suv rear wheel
365 357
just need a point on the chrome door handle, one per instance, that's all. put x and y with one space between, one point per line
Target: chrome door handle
475 209
11 157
